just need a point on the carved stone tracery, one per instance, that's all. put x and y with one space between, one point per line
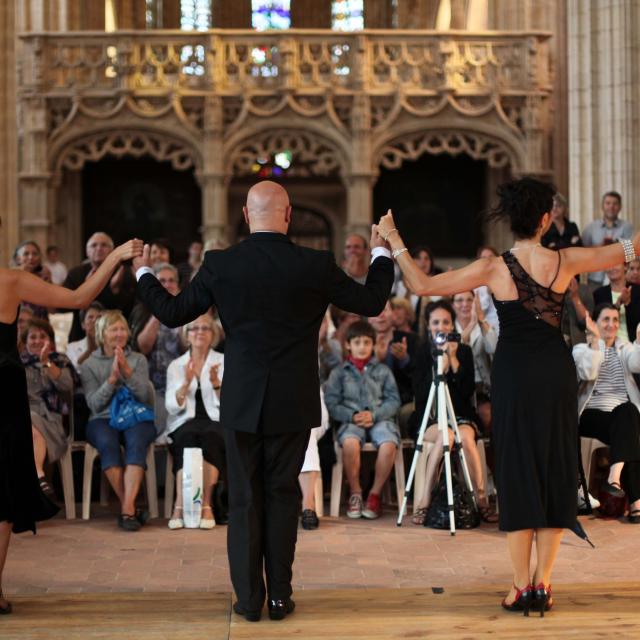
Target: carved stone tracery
312 156
126 143
475 145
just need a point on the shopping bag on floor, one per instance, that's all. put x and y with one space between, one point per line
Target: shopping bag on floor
465 513
192 487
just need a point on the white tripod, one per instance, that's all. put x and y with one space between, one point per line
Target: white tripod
440 390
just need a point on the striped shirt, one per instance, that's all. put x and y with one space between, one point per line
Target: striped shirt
610 389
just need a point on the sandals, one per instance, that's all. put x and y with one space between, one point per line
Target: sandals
176 523
207 523
487 514
420 515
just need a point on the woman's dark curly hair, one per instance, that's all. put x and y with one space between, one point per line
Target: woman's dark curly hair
523 202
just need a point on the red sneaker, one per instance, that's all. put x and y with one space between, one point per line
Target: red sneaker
373 508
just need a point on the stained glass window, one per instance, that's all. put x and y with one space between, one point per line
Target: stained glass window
274 166
195 15
347 15
270 14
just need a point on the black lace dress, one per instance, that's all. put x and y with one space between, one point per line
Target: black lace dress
534 403
21 499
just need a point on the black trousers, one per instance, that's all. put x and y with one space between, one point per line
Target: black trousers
264 503
620 429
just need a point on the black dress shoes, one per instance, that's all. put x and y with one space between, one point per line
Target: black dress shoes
279 609
249 616
614 489
634 516
310 519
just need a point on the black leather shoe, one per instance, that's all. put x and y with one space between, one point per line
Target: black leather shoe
142 516
634 516
614 489
249 616
310 519
128 523
279 609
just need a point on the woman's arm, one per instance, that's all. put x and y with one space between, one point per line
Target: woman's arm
148 336
139 383
473 275
32 289
588 360
584 259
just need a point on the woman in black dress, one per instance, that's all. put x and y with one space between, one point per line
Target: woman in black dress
534 390
22 502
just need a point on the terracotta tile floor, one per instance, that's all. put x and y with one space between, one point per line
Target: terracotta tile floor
95 556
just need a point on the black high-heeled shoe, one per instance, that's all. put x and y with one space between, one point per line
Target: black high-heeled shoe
522 601
542 600
5 610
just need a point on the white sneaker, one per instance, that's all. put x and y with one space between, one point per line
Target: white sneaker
582 504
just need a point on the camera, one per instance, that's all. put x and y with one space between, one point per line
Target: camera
441 338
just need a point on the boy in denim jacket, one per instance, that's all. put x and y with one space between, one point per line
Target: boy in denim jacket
363 396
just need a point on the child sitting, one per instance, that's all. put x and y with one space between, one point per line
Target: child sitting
362 395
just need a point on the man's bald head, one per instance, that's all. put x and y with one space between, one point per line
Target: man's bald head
267 207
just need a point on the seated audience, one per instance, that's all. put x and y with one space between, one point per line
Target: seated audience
626 297
329 349
160 344
356 257
80 350
460 378
484 295
633 271
310 471
159 252
193 413
49 378
110 367
25 314
119 294
342 320
562 233
477 333
188 269
404 316
423 257
56 267
363 397
609 401
396 349
28 257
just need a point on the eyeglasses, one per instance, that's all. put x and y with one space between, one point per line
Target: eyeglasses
199 327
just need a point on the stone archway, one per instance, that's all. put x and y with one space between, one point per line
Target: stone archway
69 157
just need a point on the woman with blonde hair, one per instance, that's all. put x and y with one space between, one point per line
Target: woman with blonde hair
192 400
22 502
110 367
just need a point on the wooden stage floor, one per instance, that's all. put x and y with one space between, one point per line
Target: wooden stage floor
582 611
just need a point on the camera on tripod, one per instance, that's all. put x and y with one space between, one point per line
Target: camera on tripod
441 338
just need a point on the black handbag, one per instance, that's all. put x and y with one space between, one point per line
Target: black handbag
466 515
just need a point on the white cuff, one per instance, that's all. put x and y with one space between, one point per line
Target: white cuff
142 270
378 252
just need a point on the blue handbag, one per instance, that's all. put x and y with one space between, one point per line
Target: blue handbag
125 411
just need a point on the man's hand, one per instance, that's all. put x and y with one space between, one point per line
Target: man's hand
625 296
363 419
376 239
399 349
144 260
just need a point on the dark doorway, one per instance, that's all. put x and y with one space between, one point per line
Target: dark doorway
140 197
436 201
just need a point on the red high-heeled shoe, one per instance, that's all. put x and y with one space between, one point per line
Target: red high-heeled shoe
542 600
522 601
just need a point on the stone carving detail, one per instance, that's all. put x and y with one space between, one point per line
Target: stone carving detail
118 144
311 155
453 143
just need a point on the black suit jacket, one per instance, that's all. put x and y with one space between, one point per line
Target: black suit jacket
632 310
271 296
